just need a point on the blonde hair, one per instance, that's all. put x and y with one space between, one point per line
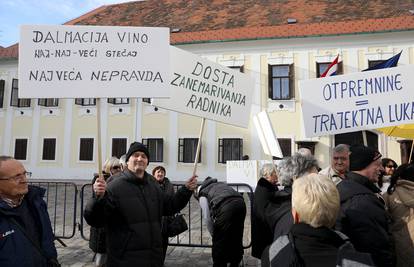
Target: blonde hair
109 163
316 200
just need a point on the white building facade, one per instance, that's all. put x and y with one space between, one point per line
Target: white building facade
57 139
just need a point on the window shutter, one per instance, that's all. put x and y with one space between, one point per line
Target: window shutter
270 76
2 83
340 68
292 81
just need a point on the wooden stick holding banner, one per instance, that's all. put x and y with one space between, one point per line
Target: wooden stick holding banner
198 146
99 141
411 152
364 137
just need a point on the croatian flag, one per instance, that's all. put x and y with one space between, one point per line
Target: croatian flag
332 69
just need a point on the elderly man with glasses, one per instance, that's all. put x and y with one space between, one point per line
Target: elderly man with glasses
339 164
26 237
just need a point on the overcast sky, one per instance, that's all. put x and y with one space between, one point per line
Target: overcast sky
17 12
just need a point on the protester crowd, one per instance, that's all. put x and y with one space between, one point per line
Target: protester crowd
359 211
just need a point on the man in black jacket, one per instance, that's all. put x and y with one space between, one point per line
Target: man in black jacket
363 217
224 211
131 209
262 234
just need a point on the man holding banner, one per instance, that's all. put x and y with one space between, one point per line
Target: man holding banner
130 208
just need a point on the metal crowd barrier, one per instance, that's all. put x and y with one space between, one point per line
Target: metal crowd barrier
61 199
62 204
197 234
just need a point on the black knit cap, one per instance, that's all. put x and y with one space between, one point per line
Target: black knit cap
361 157
134 147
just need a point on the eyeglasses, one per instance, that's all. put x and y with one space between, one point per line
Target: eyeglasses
390 166
117 167
19 176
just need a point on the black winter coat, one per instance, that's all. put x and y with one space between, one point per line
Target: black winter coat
167 188
278 213
364 220
131 211
313 247
216 192
97 236
262 234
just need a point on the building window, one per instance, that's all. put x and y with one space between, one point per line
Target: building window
286 146
15 101
119 146
239 68
322 66
20 149
49 149
86 149
230 149
307 144
118 101
372 63
85 101
155 147
405 148
187 148
356 138
2 83
48 102
281 82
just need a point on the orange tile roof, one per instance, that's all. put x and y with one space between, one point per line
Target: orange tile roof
230 20
11 52
297 30
225 20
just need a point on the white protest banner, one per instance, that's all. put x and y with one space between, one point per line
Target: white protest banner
267 135
242 171
358 101
57 61
208 90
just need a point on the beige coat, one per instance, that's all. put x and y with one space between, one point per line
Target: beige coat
401 207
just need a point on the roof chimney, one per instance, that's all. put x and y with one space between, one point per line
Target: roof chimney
291 21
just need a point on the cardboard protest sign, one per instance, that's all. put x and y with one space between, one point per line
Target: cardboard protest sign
57 61
358 101
206 89
242 171
266 134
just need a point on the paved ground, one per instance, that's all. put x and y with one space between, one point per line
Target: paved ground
65 205
77 254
